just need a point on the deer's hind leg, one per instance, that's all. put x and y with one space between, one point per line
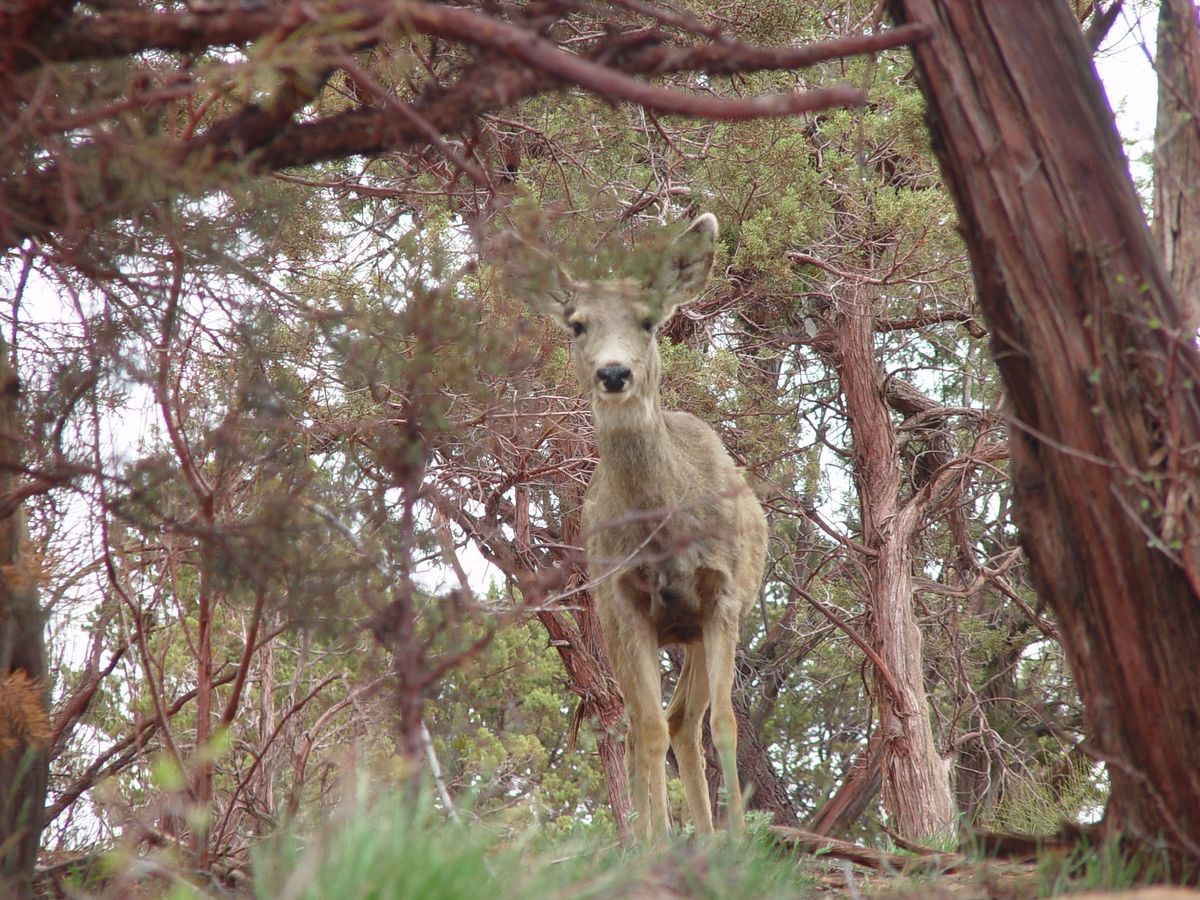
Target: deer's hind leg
685 723
720 637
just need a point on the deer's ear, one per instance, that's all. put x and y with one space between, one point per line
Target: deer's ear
542 282
688 263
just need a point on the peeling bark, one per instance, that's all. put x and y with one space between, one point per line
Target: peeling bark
590 678
916 784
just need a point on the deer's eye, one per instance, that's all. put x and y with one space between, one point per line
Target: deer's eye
579 328
648 325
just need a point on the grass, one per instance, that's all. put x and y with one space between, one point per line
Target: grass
390 851
381 847
1109 865
386 849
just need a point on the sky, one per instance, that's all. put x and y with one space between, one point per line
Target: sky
1125 68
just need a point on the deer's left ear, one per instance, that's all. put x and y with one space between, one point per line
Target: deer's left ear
687 265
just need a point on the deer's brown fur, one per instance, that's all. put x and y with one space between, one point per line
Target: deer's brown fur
676 540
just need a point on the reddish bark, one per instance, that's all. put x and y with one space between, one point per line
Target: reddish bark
574 636
1101 383
599 698
24 24
861 785
90 183
916 783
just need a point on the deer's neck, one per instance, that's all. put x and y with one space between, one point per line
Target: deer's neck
634 451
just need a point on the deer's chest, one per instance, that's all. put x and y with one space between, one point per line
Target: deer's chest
662 563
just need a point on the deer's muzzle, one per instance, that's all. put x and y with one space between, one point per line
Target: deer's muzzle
614 378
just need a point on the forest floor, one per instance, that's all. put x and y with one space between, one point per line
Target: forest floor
984 880
397 851
677 875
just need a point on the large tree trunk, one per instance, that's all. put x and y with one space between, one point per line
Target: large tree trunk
1177 152
590 677
1101 383
24 723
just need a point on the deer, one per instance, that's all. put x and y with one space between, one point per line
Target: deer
675 538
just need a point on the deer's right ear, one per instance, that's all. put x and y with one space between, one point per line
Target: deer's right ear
542 282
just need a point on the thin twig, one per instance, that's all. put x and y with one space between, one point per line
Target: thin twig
436 768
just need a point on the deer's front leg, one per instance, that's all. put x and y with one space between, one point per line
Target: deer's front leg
632 647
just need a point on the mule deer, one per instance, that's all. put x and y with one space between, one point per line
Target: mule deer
676 540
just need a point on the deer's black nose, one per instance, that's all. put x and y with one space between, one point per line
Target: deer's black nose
614 378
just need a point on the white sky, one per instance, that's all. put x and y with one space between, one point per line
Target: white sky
1124 64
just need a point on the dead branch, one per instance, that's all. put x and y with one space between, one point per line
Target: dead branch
117 756
877 860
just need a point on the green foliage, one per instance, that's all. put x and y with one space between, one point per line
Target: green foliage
1032 804
340 358
500 728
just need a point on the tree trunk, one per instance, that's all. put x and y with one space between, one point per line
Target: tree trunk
768 792
916 783
591 678
979 786
1177 153
575 636
24 717
1100 380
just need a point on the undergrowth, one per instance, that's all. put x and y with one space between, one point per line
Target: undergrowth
389 850
1110 865
384 847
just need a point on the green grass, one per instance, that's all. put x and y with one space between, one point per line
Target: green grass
389 850
385 851
1108 866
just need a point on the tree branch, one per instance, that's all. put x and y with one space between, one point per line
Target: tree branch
534 50
519 64
124 32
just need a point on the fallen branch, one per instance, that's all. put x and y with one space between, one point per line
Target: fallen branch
877 860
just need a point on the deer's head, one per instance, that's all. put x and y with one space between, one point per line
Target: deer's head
614 323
